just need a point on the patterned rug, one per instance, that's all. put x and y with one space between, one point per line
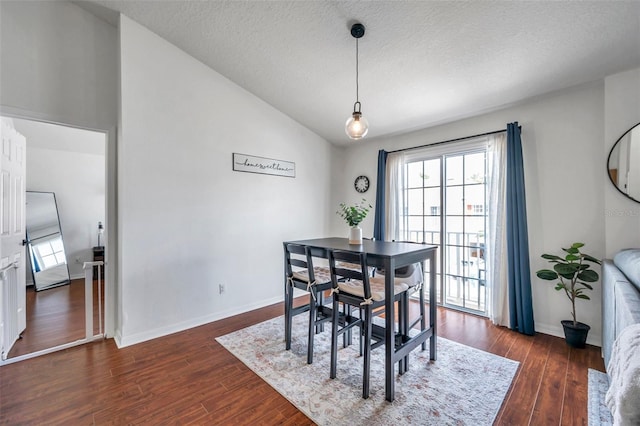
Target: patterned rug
465 386
599 414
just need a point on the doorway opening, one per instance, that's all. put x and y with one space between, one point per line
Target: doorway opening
71 163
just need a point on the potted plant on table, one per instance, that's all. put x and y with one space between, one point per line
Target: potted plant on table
354 215
574 275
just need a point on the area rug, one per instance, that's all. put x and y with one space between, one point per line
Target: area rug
465 386
599 414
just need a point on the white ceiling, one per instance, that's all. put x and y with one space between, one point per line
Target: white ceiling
422 63
61 138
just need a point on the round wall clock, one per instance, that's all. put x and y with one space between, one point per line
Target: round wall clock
361 184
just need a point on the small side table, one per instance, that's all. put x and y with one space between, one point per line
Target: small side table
98 255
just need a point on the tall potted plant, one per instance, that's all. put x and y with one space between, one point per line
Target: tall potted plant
354 215
574 275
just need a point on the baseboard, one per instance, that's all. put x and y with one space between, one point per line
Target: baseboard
121 342
124 341
117 338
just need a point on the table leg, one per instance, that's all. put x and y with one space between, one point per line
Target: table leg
433 305
287 323
389 344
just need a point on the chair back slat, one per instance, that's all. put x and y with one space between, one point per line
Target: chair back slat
339 273
301 258
296 248
298 262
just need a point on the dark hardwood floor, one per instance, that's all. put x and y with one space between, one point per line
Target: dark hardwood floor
55 316
188 378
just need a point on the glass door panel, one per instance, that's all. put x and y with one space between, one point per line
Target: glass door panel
465 227
458 229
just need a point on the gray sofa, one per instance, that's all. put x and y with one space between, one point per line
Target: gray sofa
620 296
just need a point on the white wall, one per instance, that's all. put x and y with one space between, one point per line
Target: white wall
622 111
187 222
59 63
68 162
564 170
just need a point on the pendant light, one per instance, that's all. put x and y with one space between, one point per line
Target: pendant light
357 126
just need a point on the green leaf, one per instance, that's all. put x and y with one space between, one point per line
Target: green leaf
547 274
577 245
571 250
583 296
551 257
591 259
589 286
571 257
355 214
566 270
588 276
560 286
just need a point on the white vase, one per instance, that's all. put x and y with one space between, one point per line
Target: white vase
355 235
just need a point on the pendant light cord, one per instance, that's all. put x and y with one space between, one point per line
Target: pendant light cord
357 69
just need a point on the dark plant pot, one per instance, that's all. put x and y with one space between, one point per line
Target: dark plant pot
575 335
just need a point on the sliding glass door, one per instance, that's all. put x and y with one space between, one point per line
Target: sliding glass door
446 204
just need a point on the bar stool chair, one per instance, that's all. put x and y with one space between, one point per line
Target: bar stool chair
413 276
301 274
358 289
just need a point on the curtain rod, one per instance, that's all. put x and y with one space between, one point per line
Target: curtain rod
451 140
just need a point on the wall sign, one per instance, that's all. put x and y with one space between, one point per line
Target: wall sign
267 166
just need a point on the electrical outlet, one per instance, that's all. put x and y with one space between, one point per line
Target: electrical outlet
221 288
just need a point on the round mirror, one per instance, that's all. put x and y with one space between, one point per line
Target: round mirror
623 164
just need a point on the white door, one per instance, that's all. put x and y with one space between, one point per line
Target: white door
12 219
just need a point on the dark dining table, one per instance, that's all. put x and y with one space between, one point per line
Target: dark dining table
390 255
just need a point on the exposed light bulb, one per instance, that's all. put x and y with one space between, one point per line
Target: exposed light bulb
357 126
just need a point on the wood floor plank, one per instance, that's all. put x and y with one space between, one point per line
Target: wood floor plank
189 378
552 387
575 396
524 392
502 342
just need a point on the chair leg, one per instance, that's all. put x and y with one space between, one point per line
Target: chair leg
347 337
319 303
312 327
361 331
423 318
288 306
334 339
367 352
404 328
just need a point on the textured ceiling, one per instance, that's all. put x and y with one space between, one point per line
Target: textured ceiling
422 63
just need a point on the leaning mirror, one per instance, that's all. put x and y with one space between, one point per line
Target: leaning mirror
44 241
623 164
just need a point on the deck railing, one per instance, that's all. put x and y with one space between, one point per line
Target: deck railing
465 282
